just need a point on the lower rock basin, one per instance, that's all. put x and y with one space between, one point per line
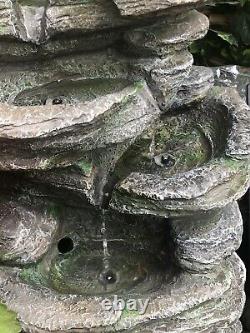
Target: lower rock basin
215 297
95 253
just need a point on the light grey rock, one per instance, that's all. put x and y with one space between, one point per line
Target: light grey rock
237 145
38 21
204 243
101 193
86 178
195 87
141 7
200 190
168 34
216 293
164 75
7 27
182 187
33 83
87 16
26 232
233 76
60 130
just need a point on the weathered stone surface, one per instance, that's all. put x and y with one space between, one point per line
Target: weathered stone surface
26 232
82 137
38 21
205 242
141 7
233 76
195 87
238 143
85 179
193 192
33 84
187 191
38 137
164 75
83 17
7 28
61 313
167 35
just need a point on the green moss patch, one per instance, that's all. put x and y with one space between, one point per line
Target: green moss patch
8 321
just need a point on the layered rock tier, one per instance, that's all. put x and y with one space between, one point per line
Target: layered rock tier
120 169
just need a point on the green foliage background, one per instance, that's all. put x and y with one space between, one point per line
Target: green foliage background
228 40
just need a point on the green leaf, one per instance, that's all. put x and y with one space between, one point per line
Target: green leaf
8 321
246 53
226 36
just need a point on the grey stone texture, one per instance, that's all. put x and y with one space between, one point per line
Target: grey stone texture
121 164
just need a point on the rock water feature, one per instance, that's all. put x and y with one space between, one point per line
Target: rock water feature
120 168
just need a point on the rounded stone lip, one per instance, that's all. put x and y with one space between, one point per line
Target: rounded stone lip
177 196
73 313
223 179
34 137
165 35
29 122
142 7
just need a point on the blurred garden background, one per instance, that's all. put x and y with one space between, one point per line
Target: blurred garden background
228 40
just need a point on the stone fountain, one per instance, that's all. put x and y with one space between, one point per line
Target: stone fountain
121 165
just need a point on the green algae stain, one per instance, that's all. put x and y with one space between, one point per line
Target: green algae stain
8 321
129 313
85 166
2 28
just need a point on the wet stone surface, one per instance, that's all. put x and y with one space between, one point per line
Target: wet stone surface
120 167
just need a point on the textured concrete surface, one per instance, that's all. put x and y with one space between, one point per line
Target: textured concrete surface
120 167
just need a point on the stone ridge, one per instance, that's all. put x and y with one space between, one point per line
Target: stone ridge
142 7
38 21
120 168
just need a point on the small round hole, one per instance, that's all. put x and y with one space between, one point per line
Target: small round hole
65 245
167 161
108 277
57 101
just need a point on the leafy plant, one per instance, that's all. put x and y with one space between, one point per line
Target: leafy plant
8 321
228 40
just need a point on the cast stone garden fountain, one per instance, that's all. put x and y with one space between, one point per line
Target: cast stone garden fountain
121 165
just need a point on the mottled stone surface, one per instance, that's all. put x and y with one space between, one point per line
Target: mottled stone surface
201 246
233 76
26 232
55 129
167 35
135 7
218 291
120 167
195 87
238 78
40 20
209 186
